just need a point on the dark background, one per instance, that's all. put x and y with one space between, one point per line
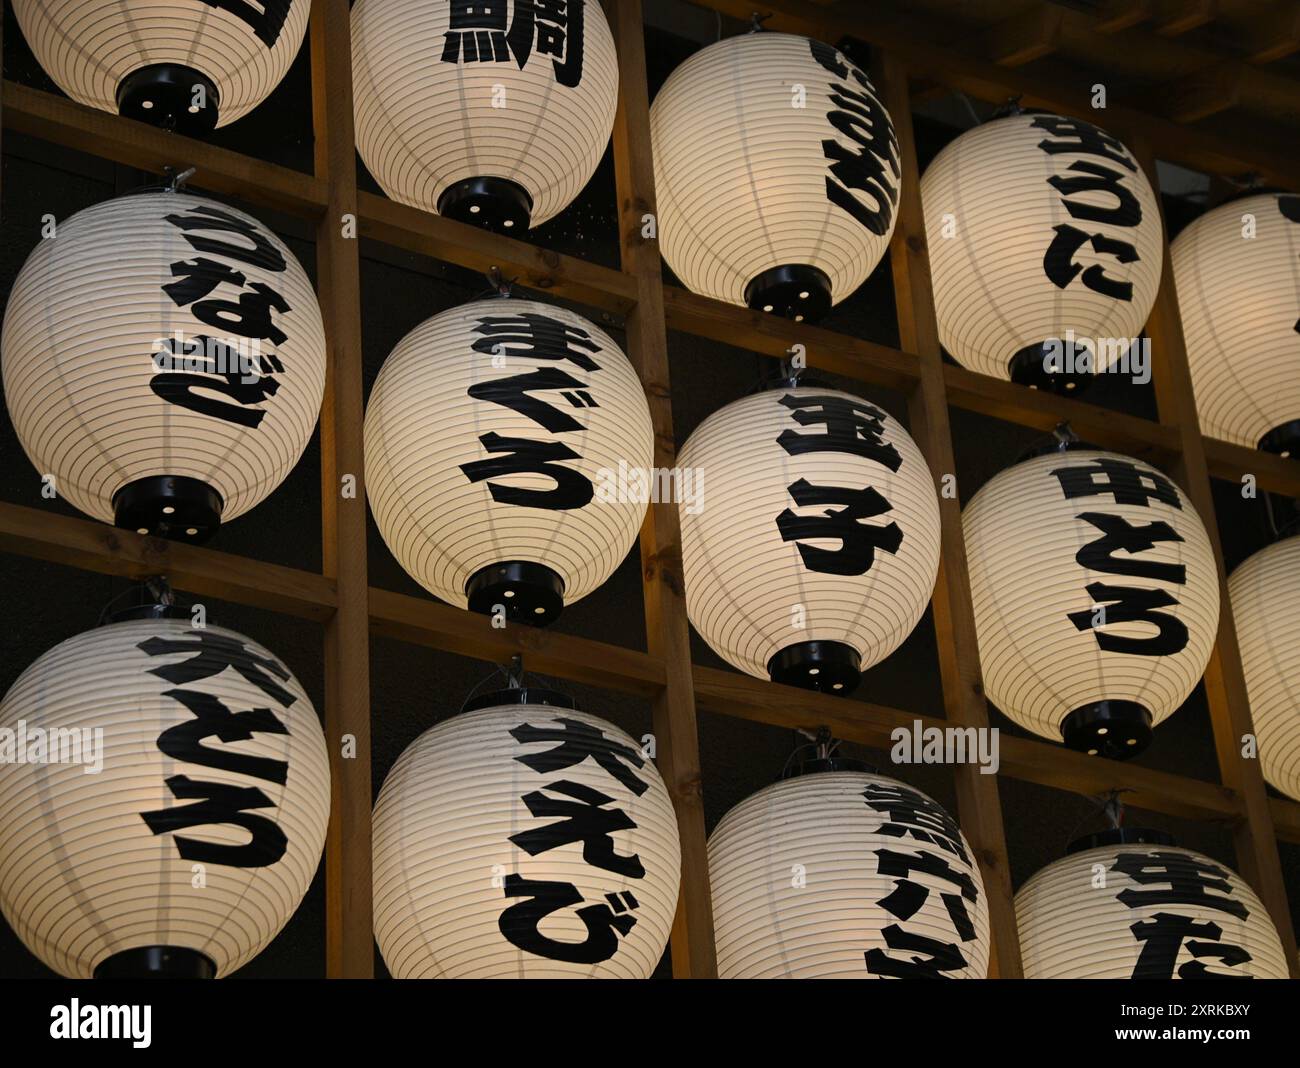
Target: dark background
413 686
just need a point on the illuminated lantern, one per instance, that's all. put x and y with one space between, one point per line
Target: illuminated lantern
1236 269
813 549
164 362
481 870
165 792
495 437
495 114
1045 246
808 879
1096 597
185 65
776 173
1130 904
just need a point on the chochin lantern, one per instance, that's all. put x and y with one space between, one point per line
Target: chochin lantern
814 550
1045 246
166 791
1096 597
1130 904
164 362
495 437
1236 269
776 173
495 114
186 65
524 839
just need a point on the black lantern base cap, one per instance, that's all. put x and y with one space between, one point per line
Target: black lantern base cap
163 94
157 962
495 204
1283 440
528 592
793 291
831 667
1121 836
1116 730
169 506
520 695
1030 367
820 764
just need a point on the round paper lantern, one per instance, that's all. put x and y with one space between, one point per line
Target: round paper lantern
1096 597
814 549
491 113
185 65
1265 595
164 362
845 875
524 839
776 173
166 792
495 437
1045 245
1129 904
1236 272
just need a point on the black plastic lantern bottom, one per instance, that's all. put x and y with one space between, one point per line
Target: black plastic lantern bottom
495 204
164 94
1029 367
1116 730
795 291
830 667
157 962
169 506
525 591
520 695
1283 440
1121 836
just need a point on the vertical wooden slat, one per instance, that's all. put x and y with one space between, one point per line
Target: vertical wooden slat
979 808
349 942
667 629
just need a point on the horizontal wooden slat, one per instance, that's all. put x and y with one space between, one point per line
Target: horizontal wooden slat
1272 473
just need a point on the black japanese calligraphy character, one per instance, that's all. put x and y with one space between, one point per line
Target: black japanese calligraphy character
535 337
520 923
1061 270
572 489
259 252
1176 879
910 814
1119 535
513 393
852 426
929 958
1165 933
219 370
477 33
908 896
578 741
1133 604
213 653
212 719
1122 479
582 820
1079 137
858 541
1089 177
266 23
216 804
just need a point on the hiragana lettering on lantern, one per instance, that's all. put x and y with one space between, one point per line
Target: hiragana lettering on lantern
1132 604
1165 933
579 741
514 393
213 653
927 958
572 488
585 820
266 23
1121 536
605 922
215 804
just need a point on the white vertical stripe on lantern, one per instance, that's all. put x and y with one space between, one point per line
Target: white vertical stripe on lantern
1238 274
89 46
422 425
741 171
1022 535
989 219
82 876
81 331
820 827
1072 928
442 849
744 583
424 124
1265 596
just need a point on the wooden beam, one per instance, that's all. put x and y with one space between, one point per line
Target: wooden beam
1203 93
1112 16
1273 35
1022 38
1173 18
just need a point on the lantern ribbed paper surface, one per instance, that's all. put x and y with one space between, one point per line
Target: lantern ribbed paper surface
1238 274
772 150
815 878
447 92
1037 225
1144 912
163 334
819 523
205 825
1093 580
493 433
1265 595
476 875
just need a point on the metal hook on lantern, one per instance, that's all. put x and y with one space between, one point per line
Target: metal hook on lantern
176 179
1010 106
756 21
500 284
793 365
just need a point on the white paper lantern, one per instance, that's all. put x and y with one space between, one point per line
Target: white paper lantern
164 362
813 549
1238 274
776 173
194 842
495 436
524 839
1265 595
1129 904
845 875
187 65
1041 229
491 113
1096 597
